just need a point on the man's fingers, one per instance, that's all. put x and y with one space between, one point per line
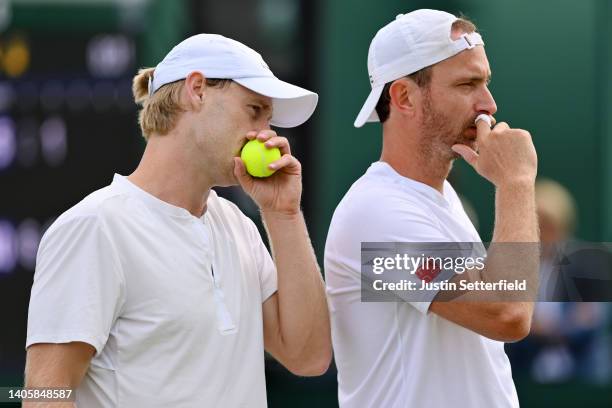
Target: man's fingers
241 174
467 153
264 135
485 118
483 126
281 142
288 162
501 126
261 135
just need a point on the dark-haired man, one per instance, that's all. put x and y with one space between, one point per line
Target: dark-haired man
429 75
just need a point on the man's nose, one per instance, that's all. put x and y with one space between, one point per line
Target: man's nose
486 103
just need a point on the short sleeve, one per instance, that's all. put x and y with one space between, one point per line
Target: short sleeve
78 288
365 219
264 264
412 225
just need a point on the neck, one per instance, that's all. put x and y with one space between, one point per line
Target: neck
167 172
408 156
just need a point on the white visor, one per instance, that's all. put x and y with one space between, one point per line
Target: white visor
368 111
219 57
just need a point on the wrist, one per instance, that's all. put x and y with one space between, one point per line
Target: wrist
524 183
281 215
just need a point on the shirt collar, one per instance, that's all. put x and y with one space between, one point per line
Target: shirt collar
384 169
124 184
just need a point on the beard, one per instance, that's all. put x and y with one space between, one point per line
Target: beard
441 131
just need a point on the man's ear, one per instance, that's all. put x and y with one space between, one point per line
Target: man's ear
405 97
195 88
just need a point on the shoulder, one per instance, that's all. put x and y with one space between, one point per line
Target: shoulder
371 200
382 208
88 215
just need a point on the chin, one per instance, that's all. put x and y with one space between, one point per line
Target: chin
471 143
225 179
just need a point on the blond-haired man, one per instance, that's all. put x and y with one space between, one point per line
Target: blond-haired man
154 291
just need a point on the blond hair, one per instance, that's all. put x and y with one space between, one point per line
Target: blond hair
161 110
556 202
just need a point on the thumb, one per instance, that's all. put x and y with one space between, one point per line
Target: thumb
467 153
241 174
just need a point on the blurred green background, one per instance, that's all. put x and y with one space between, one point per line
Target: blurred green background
552 75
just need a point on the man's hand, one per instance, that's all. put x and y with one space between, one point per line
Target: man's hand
505 155
282 191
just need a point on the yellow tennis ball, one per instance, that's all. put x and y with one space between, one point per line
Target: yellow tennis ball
257 156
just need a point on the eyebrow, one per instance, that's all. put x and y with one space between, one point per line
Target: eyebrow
487 78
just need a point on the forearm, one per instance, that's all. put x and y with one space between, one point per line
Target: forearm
515 214
302 306
513 254
51 376
514 251
48 377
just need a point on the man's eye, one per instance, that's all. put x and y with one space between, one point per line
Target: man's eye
255 108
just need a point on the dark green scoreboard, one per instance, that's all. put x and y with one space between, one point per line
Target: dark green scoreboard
67 123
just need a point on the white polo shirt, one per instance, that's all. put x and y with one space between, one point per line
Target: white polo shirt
396 354
172 303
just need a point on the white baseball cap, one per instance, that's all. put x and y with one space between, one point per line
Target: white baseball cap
219 57
406 45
